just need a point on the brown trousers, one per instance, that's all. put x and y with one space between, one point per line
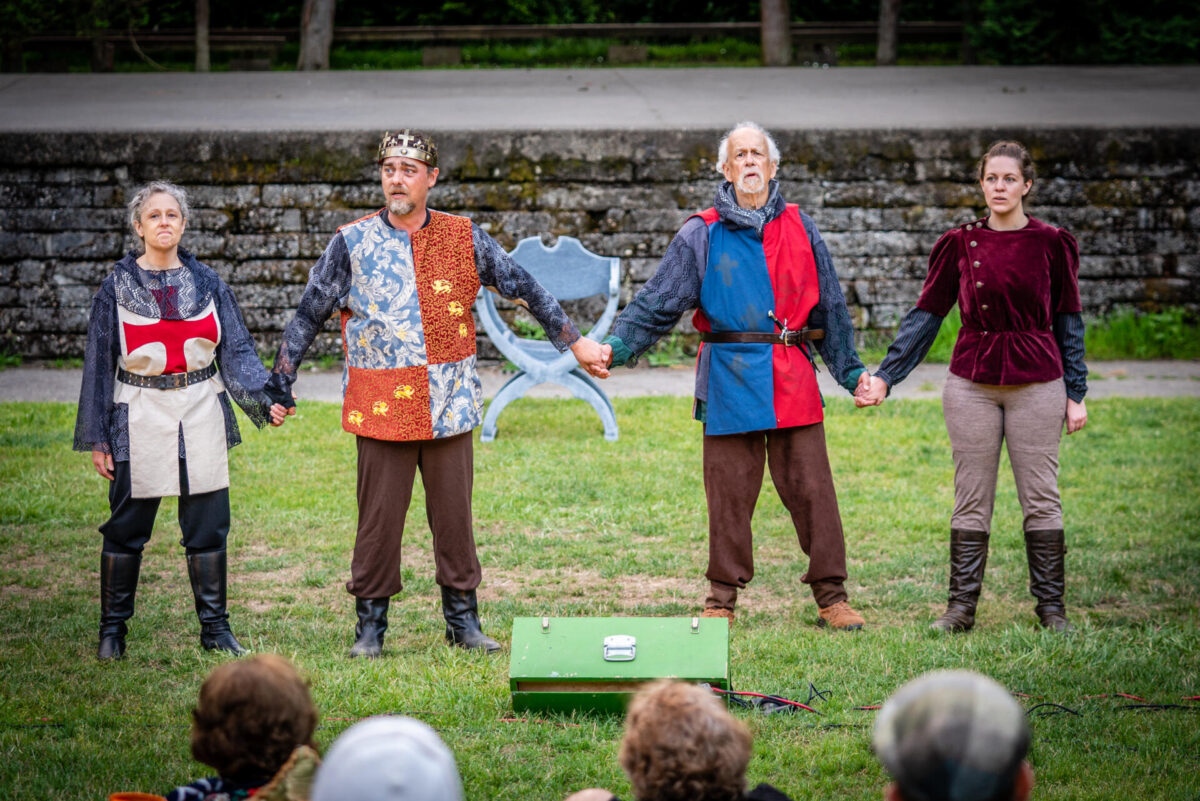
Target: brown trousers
385 480
799 464
1029 420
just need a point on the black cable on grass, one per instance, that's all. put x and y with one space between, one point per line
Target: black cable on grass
813 692
1055 709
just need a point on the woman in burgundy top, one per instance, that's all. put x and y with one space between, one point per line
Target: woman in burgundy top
1017 372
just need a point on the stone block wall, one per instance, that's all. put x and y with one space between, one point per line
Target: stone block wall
265 205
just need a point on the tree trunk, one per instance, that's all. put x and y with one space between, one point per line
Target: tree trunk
203 61
968 21
889 24
776 33
316 34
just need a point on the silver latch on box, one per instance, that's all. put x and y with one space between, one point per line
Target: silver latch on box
620 648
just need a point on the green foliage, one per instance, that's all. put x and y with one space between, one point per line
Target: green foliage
1086 32
9 359
1173 333
672 350
568 524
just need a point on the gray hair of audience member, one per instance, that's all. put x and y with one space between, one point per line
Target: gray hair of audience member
153 188
388 759
952 736
723 148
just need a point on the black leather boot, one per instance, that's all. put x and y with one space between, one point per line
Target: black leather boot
1046 551
207 573
118 586
461 611
372 623
968 557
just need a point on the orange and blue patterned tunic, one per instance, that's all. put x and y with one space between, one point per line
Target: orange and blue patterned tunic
407 330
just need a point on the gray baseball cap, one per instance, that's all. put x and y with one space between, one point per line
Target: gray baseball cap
952 736
388 759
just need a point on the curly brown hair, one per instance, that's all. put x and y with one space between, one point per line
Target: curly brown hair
251 715
681 744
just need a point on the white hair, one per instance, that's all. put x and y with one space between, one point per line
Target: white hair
153 188
723 148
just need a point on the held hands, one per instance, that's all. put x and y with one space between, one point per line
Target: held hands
592 356
279 412
871 390
1076 416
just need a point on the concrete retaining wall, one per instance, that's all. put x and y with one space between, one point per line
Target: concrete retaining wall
265 205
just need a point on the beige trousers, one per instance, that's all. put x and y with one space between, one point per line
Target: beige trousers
1028 419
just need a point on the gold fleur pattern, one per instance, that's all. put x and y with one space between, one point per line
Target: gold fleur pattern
409 332
377 390
447 279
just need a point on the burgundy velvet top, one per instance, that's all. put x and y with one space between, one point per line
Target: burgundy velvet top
1008 286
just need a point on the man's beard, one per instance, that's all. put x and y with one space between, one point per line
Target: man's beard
750 186
401 207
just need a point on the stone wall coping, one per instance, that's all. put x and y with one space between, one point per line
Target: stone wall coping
845 98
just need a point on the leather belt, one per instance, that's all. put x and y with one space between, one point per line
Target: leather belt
167 381
788 338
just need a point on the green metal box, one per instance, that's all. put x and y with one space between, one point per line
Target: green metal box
565 664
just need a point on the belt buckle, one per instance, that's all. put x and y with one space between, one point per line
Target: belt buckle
179 381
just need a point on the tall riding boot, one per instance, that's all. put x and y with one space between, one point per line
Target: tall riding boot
968 557
1047 552
372 623
207 573
461 611
118 585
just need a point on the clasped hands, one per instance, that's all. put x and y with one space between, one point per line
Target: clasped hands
592 356
871 390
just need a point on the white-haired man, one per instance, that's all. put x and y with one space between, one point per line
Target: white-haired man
762 283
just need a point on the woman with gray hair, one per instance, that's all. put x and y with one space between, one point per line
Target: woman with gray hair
166 352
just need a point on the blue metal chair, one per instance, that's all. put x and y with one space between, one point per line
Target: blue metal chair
568 271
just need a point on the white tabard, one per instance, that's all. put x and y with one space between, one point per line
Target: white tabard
156 416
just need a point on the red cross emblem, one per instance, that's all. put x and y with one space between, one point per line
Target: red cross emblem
172 334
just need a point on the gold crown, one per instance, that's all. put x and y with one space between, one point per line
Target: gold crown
409 143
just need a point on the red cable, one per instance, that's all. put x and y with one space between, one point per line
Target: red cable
768 697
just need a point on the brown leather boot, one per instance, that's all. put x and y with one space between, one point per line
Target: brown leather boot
1046 551
968 557
720 601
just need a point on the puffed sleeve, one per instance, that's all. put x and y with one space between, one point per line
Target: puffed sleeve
1064 275
940 292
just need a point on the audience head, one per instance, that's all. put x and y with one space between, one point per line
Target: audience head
954 736
681 744
251 715
388 759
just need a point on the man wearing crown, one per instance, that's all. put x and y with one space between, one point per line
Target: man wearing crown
403 280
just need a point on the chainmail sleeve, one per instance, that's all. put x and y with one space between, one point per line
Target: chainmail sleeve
673 290
499 273
99 374
327 288
237 358
837 347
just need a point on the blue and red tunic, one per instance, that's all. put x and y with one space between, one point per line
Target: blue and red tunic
758 386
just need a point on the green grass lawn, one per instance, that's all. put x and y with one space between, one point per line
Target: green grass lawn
568 524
